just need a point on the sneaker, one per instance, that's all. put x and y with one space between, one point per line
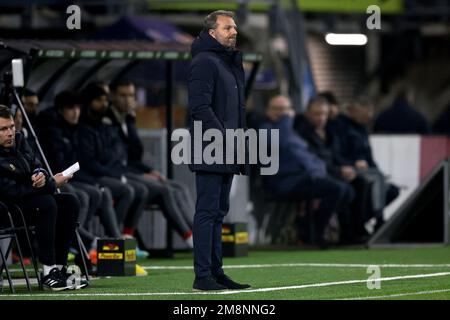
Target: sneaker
141 253
93 256
188 239
207 284
140 272
76 285
55 281
224 280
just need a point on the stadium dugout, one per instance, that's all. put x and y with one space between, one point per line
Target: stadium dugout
51 66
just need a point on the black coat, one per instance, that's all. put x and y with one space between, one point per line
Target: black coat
353 140
216 95
328 149
135 148
401 118
59 141
102 152
16 168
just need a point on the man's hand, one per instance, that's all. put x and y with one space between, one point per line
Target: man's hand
155 175
361 164
348 173
61 180
38 180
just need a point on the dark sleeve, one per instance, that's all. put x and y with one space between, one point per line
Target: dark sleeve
50 139
139 167
201 88
425 127
14 190
50 186
285 124
87 155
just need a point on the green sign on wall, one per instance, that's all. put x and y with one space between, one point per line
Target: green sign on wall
338 6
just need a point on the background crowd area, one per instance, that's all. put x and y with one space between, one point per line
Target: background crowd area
326 101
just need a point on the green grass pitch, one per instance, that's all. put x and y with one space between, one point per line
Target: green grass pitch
416 273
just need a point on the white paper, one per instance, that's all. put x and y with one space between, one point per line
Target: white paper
71 170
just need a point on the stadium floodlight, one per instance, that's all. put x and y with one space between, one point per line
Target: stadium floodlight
346 39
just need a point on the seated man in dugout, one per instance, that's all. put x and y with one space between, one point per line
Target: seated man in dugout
302 175
57 128
352 131
313 127
25 183
173 196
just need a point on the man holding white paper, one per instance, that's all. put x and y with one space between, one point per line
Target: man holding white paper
25 183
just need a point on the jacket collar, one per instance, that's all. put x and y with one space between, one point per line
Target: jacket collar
204 43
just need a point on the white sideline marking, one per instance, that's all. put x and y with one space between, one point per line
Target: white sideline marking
326 265
312 264
229 292
398 295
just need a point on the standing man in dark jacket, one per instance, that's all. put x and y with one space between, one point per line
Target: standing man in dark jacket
216 100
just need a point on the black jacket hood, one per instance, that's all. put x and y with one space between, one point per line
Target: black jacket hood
204 42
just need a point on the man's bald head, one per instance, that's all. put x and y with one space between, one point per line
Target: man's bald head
278 106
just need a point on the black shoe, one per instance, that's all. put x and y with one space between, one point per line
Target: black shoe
230 284
207 284
55 281
78 281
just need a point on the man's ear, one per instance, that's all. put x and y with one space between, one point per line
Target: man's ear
212 33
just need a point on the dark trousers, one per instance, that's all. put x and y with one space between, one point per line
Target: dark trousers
335 196
213 203
54 217
90 199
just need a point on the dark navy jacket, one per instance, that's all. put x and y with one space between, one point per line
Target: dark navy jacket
131 139
16 168
353 139
442 123
101 152
328 150
59 141
401 118
216 94
296 161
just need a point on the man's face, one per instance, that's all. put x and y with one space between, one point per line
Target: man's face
7 132
318 115
124 98
362 115
72 114
30 104
334 111
278 107
99 105
226 32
